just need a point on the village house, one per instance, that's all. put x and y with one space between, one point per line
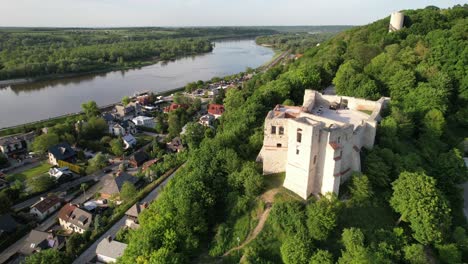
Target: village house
127 112
58 173
216 110
113 186
108 117
148 164
206 120
318 144
144 99
129 141
133 213
16 144
75 219
62 151
109 250
45 206
173 107
122 128
137 159
144 121
38 240
175 145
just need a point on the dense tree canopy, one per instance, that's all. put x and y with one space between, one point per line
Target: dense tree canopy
31 53
417 199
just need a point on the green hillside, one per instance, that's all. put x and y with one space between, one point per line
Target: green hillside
404 208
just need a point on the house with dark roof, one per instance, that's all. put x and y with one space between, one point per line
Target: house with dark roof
137 159
133 213
175 145
45 207
7 224
129 141
216 110
75 219
108 117
113 186
16 144
62 151
109 250
38 240
122 128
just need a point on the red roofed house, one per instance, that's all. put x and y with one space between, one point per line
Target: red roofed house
173 107
216 109
148 164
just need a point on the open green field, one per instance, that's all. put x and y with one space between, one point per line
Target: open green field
32 172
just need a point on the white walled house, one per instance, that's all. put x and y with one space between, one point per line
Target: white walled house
45 207
144 121
318 144
122 128
74 219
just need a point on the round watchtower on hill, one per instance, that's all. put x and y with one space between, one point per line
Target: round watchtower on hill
396 21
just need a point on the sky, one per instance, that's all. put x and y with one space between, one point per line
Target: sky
128 13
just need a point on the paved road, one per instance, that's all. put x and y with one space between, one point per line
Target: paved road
90 253
61 188
277 60
51 220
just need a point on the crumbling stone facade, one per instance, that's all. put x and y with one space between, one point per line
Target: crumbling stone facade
318 144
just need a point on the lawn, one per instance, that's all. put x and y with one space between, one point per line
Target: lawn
274 180
32 172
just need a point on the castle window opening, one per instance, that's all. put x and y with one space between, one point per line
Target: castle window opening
299 135
281 130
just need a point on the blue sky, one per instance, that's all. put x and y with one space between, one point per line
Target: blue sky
109 13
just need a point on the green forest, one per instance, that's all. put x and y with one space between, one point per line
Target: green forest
405 207
38 52
296 42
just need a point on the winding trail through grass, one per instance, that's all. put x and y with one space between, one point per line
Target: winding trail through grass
268 198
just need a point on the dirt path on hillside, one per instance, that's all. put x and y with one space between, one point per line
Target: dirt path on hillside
268 198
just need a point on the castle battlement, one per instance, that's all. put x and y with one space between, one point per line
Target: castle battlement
318 144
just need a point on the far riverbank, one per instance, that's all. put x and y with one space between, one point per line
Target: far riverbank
46 99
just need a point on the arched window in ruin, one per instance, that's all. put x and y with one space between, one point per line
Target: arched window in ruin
281 130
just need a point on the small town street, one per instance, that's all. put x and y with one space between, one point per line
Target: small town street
52 219
90 252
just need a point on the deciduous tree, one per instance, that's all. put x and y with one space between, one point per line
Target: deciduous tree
417 199
90 109
322 217
43 142
128 191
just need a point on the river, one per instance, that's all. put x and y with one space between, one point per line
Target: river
23 103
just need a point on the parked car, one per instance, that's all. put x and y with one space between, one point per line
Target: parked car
107 170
